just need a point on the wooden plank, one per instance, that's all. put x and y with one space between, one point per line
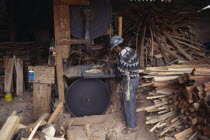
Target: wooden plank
183 133
9 128
37 126
73 41
172 53
188 66
19 77
43 122
31 139
120 25
164 78
188 45
8 79
202 69
53 138
166 59
41 99
200 73
72 2
191 41
159 118
199 77
55 113
62 31
177 46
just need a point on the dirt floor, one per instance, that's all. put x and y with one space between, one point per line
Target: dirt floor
98 126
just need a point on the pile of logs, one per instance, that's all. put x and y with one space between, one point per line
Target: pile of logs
162 38
181 101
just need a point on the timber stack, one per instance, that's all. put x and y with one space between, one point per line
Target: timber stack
163 38
181 101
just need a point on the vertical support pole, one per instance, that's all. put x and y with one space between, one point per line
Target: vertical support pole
142 47
62 31
120 26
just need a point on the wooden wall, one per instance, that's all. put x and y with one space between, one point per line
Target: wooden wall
29 52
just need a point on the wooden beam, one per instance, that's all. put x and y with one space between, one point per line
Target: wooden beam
72 41
72 2
62 27
182 51
9 128
166 59
120 20
62 31
142 47
55 113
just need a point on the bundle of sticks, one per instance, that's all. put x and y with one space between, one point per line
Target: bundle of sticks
161 37
181 108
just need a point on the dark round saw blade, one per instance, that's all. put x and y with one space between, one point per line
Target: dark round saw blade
87 97
100 18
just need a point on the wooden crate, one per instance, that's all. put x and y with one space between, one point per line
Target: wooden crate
41 99
43 74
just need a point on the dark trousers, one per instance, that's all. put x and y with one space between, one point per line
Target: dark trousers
129 107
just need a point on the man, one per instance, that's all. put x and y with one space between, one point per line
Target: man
128 68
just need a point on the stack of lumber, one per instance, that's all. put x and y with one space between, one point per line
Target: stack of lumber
181 108
156 75
39 130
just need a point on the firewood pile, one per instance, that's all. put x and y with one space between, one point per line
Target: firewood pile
82 56
181 101
160 36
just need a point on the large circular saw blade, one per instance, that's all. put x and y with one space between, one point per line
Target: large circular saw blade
87 97
100 18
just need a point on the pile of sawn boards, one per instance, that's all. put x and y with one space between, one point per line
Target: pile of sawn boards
180 95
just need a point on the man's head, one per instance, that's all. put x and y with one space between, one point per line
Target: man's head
116 43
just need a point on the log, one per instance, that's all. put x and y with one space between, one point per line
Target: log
41 99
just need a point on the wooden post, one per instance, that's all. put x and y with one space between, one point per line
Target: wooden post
120 26
62 31
41 99
142 47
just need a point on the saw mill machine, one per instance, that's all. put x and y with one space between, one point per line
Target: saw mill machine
89 78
